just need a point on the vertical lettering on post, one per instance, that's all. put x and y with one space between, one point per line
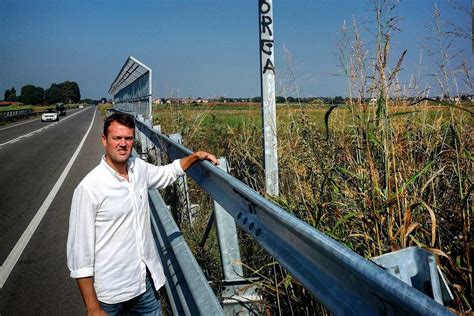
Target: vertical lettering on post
266 47
267 75
266 36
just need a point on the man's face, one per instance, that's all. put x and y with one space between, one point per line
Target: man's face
118 143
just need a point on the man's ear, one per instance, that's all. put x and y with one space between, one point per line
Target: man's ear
104 140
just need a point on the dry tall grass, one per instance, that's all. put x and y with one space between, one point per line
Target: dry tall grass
350 188
389 175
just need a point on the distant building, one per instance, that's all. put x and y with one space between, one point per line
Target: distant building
467 97
182 101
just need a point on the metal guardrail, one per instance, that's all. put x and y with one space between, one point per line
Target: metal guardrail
187 288
12 114
343 281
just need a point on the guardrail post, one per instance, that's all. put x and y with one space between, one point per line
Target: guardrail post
147 142
142 138
188 291
227 237
238 295
155 151
183 191
417 268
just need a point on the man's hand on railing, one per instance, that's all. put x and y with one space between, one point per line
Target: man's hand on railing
190 160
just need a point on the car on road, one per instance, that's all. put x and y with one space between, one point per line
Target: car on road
50 115
61 109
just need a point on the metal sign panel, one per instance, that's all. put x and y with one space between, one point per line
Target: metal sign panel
132 90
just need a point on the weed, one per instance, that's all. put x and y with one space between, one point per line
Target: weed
377 176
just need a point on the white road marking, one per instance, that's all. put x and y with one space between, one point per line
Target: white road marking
20 246
38 130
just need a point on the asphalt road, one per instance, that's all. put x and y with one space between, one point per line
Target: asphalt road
12 131
39 283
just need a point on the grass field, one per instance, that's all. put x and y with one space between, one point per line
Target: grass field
374 183
249 114
35 108
15 107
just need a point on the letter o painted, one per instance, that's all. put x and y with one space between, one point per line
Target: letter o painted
268 7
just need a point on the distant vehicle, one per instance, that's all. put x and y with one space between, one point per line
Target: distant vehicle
49 115
81 106
61 109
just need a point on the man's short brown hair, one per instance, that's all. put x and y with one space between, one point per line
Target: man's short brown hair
120 118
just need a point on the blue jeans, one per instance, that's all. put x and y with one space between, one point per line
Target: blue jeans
147 303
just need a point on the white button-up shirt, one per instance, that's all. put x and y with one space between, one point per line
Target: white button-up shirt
110 235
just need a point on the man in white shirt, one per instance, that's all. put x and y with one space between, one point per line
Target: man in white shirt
110 249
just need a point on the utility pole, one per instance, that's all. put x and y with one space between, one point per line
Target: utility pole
268 106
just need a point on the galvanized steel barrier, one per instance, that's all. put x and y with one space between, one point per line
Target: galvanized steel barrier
12 114
343 281
188 290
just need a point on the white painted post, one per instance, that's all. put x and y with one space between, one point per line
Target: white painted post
268 105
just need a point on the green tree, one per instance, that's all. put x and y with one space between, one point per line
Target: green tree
54 94
6 95
257 99
32 95
11 95
66 92
338 100
71 92
280 99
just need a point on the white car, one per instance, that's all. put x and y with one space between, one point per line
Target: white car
49 115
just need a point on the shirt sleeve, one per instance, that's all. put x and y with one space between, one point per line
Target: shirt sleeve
159 177
81 236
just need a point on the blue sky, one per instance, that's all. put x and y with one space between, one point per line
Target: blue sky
199 48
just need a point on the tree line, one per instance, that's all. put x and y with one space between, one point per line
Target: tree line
66 92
